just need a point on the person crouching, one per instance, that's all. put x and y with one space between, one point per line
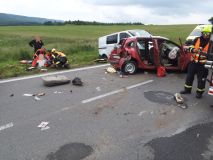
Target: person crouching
59 59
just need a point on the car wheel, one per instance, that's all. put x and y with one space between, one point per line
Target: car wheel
129 67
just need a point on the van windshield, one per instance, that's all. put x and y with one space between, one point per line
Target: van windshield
140 33
196 33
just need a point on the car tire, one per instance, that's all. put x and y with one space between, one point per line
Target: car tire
129 67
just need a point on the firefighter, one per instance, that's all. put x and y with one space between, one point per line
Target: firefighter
196 66
59 59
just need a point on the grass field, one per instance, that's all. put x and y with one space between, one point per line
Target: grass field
79 43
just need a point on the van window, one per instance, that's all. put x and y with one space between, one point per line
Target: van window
140 33
112 39
123 35
131 44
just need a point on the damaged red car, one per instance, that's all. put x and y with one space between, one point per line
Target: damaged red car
148 53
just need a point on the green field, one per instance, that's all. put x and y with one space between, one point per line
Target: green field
79 43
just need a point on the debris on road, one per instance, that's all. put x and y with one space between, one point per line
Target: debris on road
50 81
36 96
44 126
58 92
12 95
141 113
77 81
110 70
28 94
40 94
98 89
179 99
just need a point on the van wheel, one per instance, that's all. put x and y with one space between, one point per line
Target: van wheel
129 67
104 57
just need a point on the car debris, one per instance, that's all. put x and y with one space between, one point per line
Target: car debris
36 96
58 92
180 101
43 126
110 70
77 81
56 80
98 89
12 95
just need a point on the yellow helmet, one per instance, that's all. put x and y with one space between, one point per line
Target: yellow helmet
53 50
207 29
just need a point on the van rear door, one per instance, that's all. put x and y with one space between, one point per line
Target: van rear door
111 42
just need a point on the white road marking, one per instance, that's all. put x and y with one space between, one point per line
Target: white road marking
52 73
9 125
115 92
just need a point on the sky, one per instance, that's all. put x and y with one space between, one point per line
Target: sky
144 11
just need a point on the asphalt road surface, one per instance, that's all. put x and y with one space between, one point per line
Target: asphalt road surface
108 118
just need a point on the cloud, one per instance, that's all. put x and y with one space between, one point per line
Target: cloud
144 11
164 7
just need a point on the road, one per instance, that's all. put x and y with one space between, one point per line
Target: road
108 118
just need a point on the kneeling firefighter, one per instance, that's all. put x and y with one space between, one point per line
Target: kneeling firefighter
196 66
59 59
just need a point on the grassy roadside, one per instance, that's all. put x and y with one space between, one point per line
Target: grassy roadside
79 43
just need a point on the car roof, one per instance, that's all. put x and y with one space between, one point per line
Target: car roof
151 37
202 25
126 31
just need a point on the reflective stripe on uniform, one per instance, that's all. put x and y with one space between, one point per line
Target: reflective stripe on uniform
187 86
200 90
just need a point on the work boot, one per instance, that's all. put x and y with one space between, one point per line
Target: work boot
198 95
185 92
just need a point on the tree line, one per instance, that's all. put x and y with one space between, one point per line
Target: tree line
79 22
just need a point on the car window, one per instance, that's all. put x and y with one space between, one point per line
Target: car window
123 35
112 39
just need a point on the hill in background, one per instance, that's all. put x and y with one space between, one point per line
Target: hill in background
12 20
